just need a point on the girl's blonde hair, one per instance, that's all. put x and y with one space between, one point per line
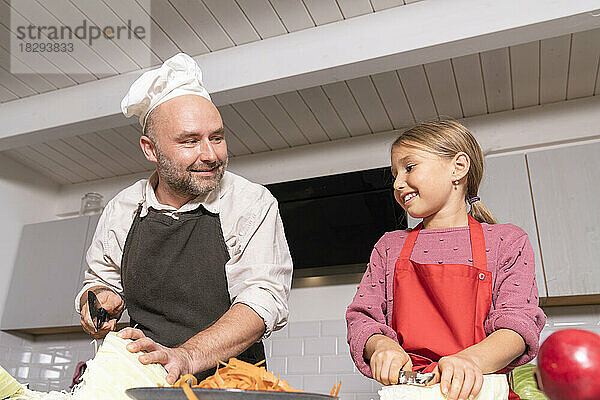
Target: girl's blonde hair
446 139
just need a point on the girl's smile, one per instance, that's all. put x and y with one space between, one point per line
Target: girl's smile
409 196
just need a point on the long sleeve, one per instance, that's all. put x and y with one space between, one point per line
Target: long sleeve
515 299
367 314
102 270
260 270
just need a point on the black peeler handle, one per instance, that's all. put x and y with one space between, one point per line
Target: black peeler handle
102 316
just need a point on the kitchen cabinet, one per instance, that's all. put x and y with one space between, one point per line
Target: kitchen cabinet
566 188
504 190
46 275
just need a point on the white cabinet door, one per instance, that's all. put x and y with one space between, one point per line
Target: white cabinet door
566 192
504 190
45 273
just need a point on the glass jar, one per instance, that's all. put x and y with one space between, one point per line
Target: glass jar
91 203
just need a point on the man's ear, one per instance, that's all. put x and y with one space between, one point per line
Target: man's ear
148 148
461 165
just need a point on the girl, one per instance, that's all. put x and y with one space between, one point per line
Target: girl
457 294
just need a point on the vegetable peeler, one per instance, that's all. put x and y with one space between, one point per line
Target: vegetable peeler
97 313
415 378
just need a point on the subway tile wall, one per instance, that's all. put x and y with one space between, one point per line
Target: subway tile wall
311 356
45 362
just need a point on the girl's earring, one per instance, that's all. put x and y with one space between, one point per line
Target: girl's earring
456 182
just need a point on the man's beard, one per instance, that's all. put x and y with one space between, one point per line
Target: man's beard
185 182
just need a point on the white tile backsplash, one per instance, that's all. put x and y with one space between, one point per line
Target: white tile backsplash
42 358
319 383
320 346
303 365
287 347
336 365
342 345
317 352
44 362
277 364
356 383
334 328
295 381
304 329
280 334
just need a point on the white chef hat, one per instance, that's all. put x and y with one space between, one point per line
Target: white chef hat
177 76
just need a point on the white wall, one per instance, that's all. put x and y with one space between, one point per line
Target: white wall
25 197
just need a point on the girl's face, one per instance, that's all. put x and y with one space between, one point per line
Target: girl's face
424 182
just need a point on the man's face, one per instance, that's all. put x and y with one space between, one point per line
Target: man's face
189 145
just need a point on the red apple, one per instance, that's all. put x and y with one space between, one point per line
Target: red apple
569 365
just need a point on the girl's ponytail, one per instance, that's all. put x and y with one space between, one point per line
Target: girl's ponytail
481 213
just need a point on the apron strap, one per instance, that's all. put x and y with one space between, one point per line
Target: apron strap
409 243
477 244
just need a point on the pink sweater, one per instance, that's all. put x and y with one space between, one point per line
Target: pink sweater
510 259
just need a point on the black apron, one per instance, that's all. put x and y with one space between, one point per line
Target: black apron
173 276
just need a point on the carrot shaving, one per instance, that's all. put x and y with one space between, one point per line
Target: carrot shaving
237 374
188 391
185 378
337 391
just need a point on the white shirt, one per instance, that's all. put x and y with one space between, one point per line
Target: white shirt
259 272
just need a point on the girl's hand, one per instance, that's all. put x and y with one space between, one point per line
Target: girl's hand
459 377
387 359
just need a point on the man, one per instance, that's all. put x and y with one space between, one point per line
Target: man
198 255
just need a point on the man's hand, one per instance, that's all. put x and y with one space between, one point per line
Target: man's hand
177 361
111 302
387 359
459 377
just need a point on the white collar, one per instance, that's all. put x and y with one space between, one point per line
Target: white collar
210 201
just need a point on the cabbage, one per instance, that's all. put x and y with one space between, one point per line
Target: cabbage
8 385
495 387
525 385
113 370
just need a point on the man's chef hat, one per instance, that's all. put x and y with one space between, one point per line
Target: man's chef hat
178 75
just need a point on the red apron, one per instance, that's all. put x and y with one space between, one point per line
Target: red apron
440 309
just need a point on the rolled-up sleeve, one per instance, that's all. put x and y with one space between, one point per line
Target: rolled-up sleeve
102 270
516 304
366 315
259 273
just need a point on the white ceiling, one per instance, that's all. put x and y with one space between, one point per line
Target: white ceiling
541 72
524 75
191 26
